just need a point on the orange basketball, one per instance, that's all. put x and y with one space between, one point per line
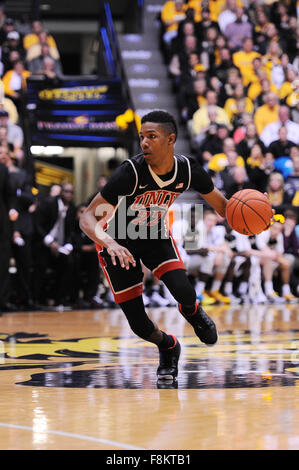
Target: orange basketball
249 212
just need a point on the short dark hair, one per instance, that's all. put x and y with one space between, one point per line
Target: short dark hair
162 117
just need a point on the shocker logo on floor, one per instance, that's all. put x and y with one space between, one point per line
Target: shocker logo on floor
127 362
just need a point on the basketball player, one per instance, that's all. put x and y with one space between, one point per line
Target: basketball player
126 220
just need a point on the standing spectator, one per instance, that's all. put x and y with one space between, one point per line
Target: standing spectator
8 213
22 228
54 226
86 267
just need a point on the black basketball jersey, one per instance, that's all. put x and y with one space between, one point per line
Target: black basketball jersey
141 198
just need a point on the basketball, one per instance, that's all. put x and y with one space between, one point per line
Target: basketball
249 212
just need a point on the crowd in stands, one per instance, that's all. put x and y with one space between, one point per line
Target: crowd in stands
234 69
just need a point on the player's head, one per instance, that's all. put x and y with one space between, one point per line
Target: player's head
164 119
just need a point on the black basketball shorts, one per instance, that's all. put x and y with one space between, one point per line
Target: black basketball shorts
159 256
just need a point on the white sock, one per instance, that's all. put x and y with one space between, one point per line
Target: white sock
269 287
229 288
286 289
216 285
243 288
199 287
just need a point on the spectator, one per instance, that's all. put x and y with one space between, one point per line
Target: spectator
261 22
34 37
229 157
259 167
15 135
22 229
173 12
267 113
36 66
272 62
205 23
201 119
279 198
225 64
210 260
250 139
288 92
238 30
14 82
243 59
86 268
8 213
271 244
270 132
8 27
13 44
282 146
231 104
190 100
228 14
292 181
291 247
35 50
213 142
54 226
239 181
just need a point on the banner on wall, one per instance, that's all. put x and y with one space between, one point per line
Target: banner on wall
81 112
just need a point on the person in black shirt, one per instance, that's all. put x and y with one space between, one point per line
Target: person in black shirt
127 223
281 147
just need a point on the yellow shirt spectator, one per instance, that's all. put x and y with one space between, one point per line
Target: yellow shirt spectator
267 113
172 13
243 60
231 108
219 161
201 118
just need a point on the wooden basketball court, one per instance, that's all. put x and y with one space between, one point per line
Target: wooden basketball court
81 380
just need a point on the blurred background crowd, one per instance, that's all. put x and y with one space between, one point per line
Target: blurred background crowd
234 71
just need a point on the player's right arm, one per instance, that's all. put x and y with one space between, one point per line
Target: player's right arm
91 223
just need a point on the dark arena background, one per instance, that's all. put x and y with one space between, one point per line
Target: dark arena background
76 79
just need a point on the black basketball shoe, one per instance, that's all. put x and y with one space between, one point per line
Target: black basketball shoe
168 365
204 327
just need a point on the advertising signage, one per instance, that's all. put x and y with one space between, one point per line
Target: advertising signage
78 112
